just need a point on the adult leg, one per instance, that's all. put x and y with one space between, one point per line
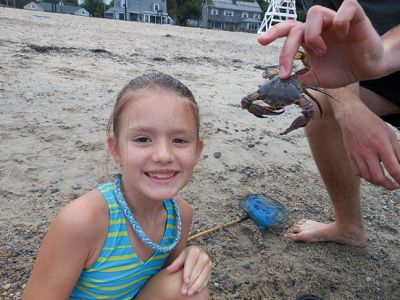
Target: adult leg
167 286
326 143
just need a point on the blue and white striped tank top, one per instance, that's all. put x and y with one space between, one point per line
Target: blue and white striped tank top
119 273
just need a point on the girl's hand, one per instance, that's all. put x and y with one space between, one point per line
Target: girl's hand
196 269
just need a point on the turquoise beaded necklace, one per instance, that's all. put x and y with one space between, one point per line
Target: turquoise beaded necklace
135 225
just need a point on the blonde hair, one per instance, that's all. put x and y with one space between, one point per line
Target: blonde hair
136 86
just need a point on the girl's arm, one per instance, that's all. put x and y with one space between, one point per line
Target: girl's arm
195 261
68 247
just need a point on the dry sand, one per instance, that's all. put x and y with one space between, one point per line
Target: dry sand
59 76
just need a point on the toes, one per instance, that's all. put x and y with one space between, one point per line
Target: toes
292 237
302 221
294 229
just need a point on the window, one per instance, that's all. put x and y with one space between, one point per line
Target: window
256 16
156 7
146 18
228 13
122 3
245 14
252 26
214 11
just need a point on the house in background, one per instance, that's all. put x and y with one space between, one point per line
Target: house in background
232 15
154 11
56 7
33 6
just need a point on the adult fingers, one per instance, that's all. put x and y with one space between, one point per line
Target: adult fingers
395 171
343 18
277 31
378 176
363 169
318 18
289 50
392 165
293 31
349 12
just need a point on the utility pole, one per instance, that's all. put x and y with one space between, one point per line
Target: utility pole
91 8
126 17
204 14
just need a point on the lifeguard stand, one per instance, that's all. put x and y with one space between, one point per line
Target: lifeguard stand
278 11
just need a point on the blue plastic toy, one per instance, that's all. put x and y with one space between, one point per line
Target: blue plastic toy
264 211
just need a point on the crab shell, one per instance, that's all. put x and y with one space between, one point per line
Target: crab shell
281 93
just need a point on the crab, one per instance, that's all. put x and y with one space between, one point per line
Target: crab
278 93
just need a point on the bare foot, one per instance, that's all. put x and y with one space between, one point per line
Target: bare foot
312 232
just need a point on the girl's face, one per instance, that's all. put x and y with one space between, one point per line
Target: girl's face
157 145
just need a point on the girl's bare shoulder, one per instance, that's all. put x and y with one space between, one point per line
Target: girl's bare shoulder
87 215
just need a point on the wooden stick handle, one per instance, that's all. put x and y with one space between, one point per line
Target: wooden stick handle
207 231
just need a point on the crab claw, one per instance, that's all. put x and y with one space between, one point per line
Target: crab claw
246 103
299 122
260 111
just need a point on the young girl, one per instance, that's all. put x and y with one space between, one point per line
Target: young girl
114 242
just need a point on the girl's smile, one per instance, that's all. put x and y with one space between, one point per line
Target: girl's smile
161 176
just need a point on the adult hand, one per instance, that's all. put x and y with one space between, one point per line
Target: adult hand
343 47
196 269
370 143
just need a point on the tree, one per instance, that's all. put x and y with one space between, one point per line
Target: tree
71 2
263 5
96 7
183 10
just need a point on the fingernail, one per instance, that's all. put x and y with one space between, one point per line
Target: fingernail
184 291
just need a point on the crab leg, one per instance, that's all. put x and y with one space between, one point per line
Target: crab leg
256 109
300 55
315 100
301 121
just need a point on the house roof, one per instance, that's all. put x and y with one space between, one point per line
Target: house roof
142 6
66 9
248 6
110 10
240 5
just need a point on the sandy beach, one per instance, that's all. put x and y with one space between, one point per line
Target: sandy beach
59 76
